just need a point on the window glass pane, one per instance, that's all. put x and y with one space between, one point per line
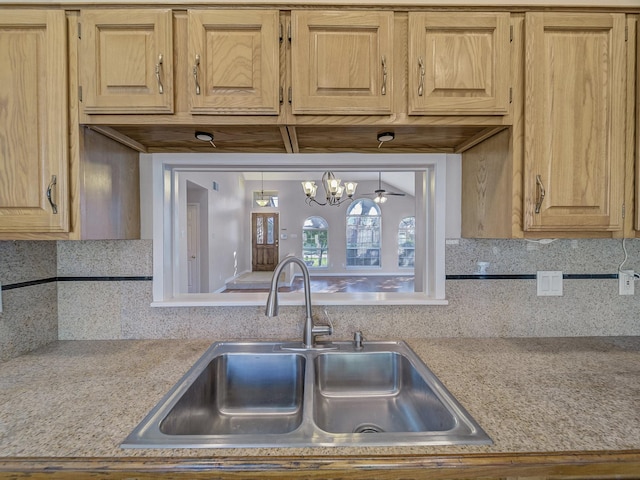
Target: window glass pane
407 242
270 233
259 231
315 246
363 234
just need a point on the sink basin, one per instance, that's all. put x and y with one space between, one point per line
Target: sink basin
374 393
241 393
263 394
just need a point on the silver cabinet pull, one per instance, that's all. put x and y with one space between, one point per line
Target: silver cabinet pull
195 74
54 181
421 80
383 90
540 193
158 74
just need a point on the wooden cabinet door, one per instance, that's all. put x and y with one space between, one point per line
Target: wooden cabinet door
574 121
235 56
458 63
341 62
126 61
33 121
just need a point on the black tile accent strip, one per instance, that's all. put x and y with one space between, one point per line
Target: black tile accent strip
532 276
74 279
104 279
525 276
29 284
586 276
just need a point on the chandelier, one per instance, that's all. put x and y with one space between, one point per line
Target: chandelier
333 190
262 202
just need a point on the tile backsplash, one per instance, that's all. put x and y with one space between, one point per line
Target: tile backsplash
477 307
29 317
82 290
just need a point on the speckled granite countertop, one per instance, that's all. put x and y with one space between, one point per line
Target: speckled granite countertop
81 398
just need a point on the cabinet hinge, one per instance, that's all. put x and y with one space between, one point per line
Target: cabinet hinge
290 95
281 96
510 94
80 93
80 31
510 33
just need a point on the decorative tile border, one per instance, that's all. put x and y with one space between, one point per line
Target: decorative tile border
75 279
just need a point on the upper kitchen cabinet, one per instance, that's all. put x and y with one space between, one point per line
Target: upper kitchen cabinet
341 62
458 63
33 123
126 61
235 56
575 108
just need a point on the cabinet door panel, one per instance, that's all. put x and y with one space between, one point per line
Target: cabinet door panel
458 63
33 123
126 61
235 58
574 121
341 62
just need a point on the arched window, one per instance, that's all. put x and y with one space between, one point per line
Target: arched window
407 242
363 234
315 242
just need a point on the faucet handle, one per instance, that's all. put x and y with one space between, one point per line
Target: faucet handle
326 315
318 330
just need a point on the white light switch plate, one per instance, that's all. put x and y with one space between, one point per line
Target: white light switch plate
549 283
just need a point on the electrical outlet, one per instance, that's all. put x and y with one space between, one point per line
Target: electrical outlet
626 281
549 283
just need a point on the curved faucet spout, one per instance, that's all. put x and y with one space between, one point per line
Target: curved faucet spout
271 310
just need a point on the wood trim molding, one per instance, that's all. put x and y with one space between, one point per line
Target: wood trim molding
586 465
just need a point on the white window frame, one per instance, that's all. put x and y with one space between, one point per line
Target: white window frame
430 223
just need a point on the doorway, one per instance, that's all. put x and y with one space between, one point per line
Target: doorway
264 241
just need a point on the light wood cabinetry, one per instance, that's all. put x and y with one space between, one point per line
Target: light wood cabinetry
33 122
572 125
575 110
236 61
458 63
126 61
342 62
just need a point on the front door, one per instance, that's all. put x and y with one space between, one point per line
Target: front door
264 241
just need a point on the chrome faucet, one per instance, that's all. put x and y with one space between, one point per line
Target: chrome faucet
311 331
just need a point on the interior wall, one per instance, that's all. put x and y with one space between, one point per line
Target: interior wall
225 232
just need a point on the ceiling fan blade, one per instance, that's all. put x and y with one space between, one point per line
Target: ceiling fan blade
395 193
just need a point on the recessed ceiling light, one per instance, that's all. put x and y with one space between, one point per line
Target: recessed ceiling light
204 136
386 136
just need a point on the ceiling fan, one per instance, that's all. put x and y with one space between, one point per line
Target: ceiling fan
380 195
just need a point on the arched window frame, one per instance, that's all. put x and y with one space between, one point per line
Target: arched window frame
315 229
363 234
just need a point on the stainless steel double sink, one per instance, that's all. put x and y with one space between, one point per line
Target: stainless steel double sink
241 395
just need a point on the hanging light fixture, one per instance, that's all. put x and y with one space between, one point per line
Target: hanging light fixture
262 202
380 198
333 188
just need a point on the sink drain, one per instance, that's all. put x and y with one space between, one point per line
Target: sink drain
368 428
